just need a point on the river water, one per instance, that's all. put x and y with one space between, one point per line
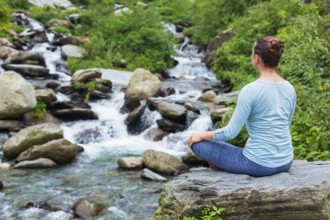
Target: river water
94 173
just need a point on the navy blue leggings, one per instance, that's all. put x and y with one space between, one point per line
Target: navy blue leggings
231 159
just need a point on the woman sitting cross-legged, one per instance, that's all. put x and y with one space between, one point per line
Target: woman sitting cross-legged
266 106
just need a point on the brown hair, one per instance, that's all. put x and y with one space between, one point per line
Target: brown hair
270 50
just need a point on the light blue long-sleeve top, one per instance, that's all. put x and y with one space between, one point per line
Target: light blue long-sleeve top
267 109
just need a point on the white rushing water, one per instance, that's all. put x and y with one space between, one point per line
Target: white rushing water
94 172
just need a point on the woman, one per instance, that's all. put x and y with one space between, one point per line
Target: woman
266 106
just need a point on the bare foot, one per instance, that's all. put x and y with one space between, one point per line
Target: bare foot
213 167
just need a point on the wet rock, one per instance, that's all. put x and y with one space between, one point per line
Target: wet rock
61 151
152 176
29 70
1 185
207 96
133 116
30 136
53 3
226 98
191 117
163 162
89 208
75 114
156 134
89 135
142 85
17 96
30 119
169 126
130 163
53 85
71 50
167 92
45 95
13 56
303 193
7 124
217 114
172 111
214 44
86 75
68 105
97 95
38 163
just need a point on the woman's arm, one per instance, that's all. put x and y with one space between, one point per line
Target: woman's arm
200 136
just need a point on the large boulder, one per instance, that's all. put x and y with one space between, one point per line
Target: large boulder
303 193
17 96
163 162
60 151
172 111
30 136
142 85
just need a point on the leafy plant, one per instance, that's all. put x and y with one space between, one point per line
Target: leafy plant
40 111
208 213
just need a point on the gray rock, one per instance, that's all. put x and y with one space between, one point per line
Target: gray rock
71 50
207 96
89 208
225 98
142 85
156 134
163 162
135 115
46 95
172 111
7 124
38 163
61 151
303 193
83 76
30 136
152 176
17 96
170 126
130 163
52 3
29 70
75 114
216 114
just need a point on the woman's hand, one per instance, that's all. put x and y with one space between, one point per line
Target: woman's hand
200 136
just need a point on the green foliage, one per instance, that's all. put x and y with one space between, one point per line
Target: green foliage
40 111
137 36
47 13
5 24
305 29
19 4
209 213
213 16
61 30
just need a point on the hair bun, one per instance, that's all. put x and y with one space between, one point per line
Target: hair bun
276 46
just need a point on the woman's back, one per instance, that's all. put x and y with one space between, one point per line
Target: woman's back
272 107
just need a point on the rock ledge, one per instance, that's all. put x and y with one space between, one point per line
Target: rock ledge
303 193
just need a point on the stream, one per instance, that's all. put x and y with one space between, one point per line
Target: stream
94 172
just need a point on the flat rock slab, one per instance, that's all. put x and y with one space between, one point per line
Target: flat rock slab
303 193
